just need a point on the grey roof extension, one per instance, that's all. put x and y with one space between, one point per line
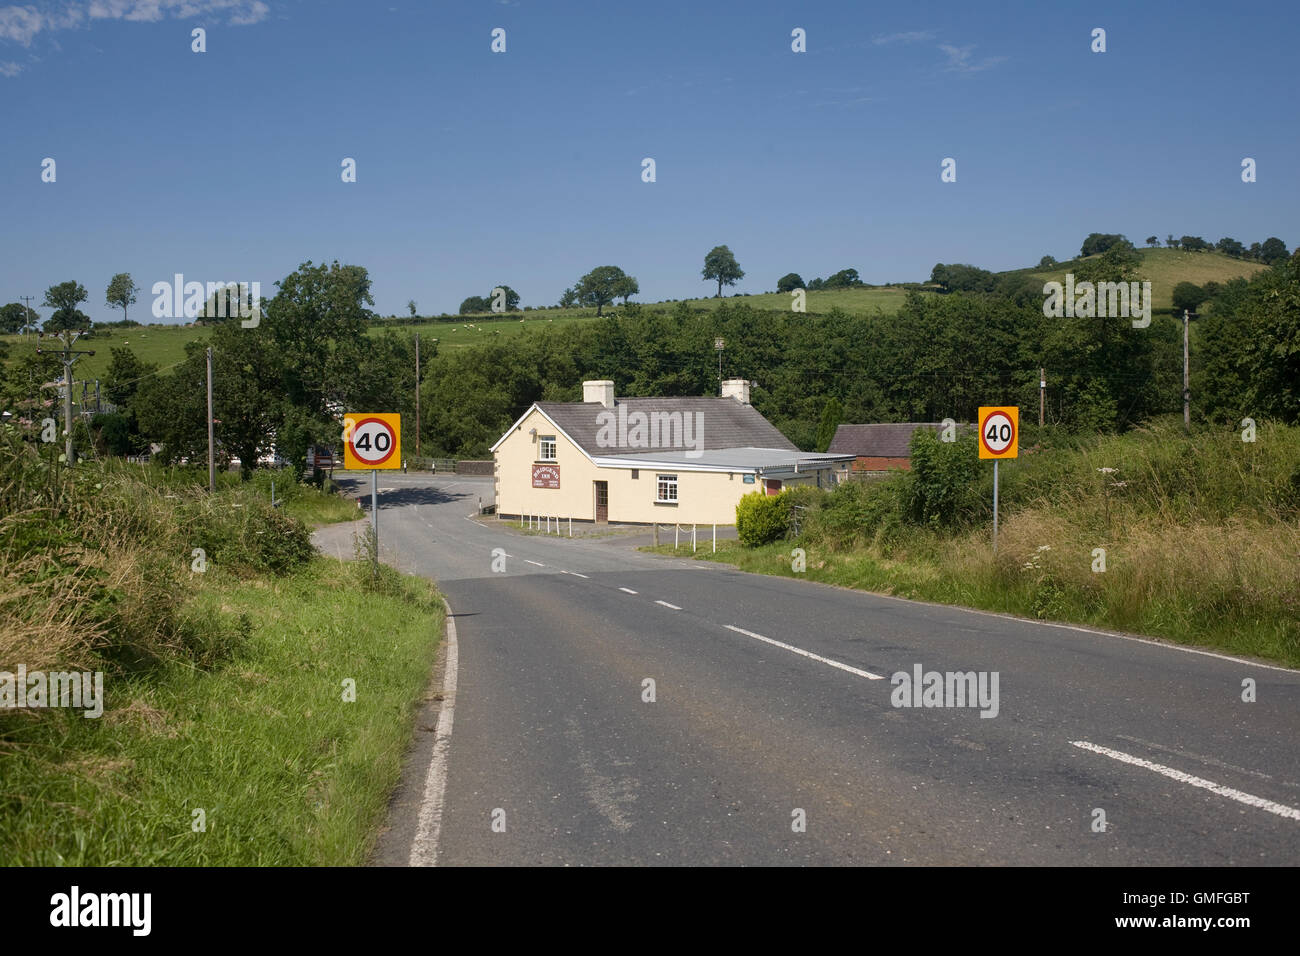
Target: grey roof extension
761 460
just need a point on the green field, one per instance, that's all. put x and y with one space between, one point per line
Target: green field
1165 268
165 344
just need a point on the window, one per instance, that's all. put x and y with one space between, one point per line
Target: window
666 488
548 448
636 473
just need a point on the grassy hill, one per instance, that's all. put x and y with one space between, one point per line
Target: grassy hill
165 344
1165 268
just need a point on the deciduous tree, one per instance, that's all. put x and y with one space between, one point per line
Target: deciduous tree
721 266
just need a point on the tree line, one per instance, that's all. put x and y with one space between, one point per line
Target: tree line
313 357
939 357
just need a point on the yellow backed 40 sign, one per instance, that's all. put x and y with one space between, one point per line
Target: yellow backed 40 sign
999 431
372 440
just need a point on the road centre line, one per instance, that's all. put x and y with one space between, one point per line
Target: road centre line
809 654
1250 800
666 604
627 590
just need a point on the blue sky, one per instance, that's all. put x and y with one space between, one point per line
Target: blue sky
524 167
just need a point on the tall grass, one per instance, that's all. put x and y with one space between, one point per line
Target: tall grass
224 641
1196 539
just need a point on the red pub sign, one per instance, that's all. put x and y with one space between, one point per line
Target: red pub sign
546 476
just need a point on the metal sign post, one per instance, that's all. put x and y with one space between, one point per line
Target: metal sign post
995 505
374 522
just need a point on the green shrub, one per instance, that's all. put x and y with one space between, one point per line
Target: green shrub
944 480
801 502
761 518
857 512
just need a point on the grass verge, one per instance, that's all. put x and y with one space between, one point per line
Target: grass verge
1194 539
286 772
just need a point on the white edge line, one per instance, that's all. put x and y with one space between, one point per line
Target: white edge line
809 654
538 563
424 848
1282 810
666 604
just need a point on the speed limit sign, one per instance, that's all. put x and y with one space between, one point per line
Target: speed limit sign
372 441
999 431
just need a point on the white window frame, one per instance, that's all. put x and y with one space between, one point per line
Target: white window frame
669 482
542 442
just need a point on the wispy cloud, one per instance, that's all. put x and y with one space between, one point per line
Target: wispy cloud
910 36
20 24
959 59
8 68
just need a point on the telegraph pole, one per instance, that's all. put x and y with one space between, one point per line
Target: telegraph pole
417 396
28 319
212 466
1042 394
68 337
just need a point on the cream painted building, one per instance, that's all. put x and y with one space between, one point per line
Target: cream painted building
643 460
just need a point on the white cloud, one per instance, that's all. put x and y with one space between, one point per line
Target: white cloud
910 36
19 24
240 12
10 69
959 60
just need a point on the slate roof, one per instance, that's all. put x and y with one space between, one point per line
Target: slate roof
878 441
726 423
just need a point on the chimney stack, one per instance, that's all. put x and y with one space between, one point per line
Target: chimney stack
737 388
601 392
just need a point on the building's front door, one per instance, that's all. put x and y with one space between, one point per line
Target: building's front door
602 501
773 486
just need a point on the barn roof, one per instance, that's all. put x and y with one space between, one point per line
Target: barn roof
889 440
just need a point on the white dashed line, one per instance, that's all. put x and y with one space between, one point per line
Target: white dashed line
627 590
809 654
1282 810
666 604
538 563
576 574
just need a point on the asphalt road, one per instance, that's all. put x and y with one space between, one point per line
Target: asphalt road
772 708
